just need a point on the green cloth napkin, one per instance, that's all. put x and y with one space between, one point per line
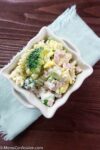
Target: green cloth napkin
14 117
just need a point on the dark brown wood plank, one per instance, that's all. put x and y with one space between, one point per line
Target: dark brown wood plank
76 125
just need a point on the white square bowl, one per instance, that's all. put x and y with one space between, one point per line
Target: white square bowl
28 98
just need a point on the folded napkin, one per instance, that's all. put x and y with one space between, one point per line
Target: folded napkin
69 25
14 117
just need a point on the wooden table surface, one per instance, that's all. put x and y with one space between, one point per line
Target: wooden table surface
76 125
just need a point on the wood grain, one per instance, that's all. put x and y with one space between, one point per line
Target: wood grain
76 125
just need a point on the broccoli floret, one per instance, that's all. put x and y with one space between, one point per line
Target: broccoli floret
29 83
45 102
34 60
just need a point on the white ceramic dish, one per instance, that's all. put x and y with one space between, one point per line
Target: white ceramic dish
28 98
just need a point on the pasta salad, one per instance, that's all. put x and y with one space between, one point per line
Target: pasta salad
48 69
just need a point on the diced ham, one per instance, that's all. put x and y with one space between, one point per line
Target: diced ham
78 70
